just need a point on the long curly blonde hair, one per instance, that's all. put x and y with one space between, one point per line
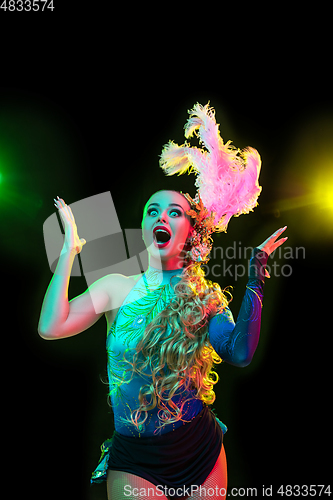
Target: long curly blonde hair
176 348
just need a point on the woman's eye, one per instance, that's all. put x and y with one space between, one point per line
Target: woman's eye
153 212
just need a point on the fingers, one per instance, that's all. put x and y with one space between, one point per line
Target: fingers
272 239
70 213
64 209
59 203
274 236
272 243
278 243
278 233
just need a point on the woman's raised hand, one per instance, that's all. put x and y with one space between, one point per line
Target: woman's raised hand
72 240
271 244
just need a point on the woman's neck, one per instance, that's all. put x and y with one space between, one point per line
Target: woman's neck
164 272
166 265
158 277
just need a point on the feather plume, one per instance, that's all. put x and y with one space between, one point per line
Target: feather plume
174 160
227 178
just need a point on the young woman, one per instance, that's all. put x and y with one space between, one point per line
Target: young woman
162 343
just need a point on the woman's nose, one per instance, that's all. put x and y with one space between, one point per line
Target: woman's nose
162 217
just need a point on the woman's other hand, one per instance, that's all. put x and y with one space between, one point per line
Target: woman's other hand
271 244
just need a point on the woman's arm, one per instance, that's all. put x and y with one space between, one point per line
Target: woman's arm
60 318
236 343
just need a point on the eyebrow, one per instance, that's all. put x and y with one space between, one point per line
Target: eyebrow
170 205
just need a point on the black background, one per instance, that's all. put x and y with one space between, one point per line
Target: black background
85 109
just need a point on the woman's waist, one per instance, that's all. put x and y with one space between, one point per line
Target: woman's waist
203 424
160 420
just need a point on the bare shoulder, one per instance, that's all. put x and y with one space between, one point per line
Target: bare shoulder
118 286
116 280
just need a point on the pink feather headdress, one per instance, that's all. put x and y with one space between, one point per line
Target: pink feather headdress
227 178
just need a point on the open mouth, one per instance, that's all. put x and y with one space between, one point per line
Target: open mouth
162 236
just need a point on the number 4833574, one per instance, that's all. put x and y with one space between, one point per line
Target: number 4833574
26 5
304 490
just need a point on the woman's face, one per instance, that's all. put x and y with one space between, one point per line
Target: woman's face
165 228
